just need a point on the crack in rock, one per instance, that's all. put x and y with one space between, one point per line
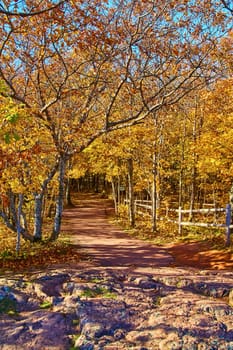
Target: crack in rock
110 309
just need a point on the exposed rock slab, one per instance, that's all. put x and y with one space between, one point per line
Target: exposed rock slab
105 309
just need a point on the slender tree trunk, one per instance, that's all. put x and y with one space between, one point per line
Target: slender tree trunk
11 219
131 193
38 211
9 216
154 194
118 190
7 220
114 195
197 126
68 194
18 225
118 183
13 209
157 147
193 190
194 170
231 195
38 219
68 187
60 198
181 175
180 200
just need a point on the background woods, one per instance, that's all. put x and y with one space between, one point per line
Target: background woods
138 93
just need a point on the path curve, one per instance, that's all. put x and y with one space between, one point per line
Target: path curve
158 305
130 295
106 244
89 226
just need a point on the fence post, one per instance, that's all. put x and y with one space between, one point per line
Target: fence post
180 220
228 223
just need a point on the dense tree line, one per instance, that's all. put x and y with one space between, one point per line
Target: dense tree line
123 88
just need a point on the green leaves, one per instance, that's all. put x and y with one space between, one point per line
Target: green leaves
12 118
3 87
8 306
8 136
46 305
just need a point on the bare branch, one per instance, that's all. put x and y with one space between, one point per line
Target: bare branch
29 14
227 6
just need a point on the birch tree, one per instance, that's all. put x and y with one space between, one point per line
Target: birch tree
85 69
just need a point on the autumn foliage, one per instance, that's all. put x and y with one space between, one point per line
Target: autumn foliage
87 87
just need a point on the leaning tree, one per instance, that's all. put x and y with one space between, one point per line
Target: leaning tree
84 69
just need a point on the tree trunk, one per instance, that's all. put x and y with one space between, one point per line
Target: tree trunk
60 198
193 191
18 225
38 219
154 194
231 195
194 170
13 210
118 190
131 193
114 195
197 125
181 175
68 193
68 185
9 217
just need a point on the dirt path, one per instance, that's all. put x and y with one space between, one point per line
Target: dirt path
126 295
167 300
109 246
106 244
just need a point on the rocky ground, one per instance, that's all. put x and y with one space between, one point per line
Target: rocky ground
169 308
128 295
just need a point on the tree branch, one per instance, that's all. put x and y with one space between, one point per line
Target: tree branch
28 14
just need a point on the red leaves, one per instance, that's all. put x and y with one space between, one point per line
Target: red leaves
4 201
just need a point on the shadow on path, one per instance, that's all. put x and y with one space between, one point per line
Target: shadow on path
105 243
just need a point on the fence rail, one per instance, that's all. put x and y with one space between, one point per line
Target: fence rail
227 224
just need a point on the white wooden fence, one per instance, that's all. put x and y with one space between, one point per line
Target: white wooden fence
227 225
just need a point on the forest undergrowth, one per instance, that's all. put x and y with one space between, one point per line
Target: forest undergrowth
37 254
196 247
167 233
46 253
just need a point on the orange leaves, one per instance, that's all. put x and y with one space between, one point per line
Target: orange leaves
215 143
85 65
4 200
21 149
219 100
40 254
36 149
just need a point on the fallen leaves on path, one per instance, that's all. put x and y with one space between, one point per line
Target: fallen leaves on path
201 256
40 255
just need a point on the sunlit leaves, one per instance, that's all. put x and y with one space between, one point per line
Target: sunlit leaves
216 142
24 149
83 69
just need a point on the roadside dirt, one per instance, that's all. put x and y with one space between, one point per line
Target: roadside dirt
201 256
